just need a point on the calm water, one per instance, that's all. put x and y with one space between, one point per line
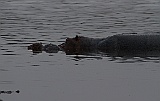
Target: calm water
61 77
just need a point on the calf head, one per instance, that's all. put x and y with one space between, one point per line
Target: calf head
36 47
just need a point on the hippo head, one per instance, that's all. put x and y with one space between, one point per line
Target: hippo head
36 47
72 45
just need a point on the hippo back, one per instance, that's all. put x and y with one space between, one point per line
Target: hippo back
139 42
51 48
131 42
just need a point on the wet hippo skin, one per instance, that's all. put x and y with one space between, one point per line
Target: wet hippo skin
131 42
119 44
38 48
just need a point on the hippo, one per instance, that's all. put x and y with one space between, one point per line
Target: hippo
119 44
38 48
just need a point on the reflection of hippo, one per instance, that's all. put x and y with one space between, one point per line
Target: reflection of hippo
122 43
9 92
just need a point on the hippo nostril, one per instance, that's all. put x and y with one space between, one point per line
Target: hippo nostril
30 47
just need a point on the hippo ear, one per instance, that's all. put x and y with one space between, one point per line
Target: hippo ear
77 37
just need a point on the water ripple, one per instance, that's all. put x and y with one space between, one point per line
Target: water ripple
25 22
6 82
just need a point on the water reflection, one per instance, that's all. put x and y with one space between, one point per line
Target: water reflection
3 70
88 57
116 56
6 82
132 57
9 92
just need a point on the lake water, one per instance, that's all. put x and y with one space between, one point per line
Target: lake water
61 77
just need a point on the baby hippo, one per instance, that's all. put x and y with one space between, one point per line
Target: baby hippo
38 48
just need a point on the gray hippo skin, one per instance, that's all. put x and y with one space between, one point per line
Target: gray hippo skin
130 42
38 48
131 45
80 45
117 44
121 44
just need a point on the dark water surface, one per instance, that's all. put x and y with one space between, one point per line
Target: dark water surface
61 77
